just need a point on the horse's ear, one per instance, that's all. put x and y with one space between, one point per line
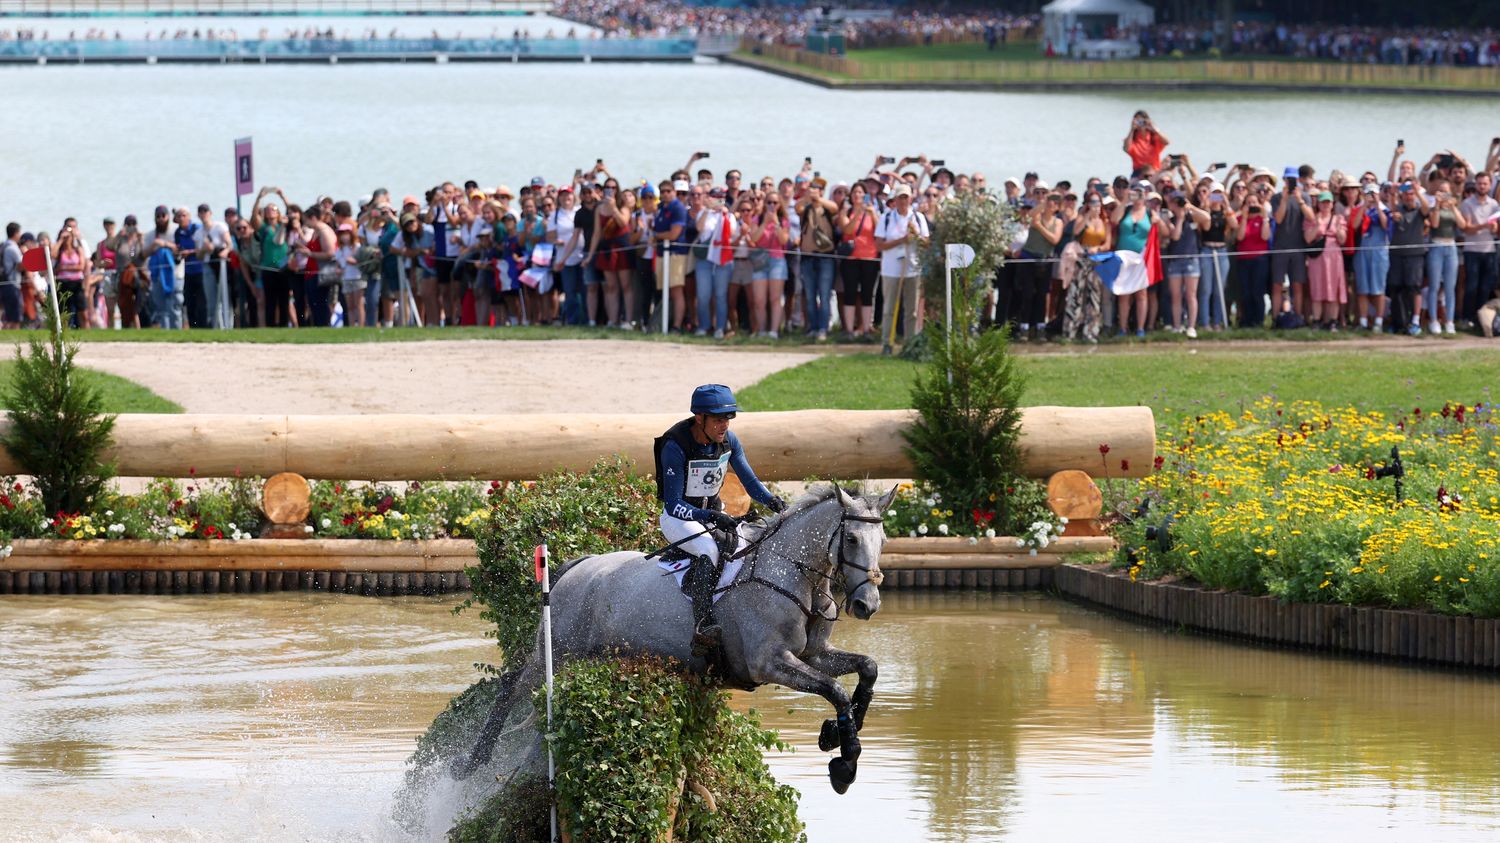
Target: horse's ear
887 499
844 500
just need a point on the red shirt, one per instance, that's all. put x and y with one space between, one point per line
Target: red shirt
1145 149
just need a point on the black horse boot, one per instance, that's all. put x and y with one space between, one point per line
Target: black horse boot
701 580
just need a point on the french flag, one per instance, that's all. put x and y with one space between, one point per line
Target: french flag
1125 272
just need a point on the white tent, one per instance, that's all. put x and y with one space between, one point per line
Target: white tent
1094 28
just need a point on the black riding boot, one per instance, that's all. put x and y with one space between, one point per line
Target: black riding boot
702 578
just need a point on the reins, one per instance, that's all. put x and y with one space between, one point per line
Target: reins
813 576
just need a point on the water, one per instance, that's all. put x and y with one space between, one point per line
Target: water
95 140
1014 718
454 26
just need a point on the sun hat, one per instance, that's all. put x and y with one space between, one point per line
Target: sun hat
1263 172
1289 173
503 190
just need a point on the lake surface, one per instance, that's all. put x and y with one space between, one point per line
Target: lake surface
997 718
95 140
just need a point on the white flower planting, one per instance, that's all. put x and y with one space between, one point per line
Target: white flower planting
943 529
922 528
326 523
6 551
989 533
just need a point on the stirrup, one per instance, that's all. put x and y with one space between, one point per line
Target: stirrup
706 639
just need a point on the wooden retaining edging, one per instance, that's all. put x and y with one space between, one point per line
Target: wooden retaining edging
1458 641
363 566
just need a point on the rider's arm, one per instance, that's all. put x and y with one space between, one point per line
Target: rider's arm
674 469
742 470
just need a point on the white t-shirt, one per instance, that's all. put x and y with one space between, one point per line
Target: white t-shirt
560 229
900 260
216 236
1479 210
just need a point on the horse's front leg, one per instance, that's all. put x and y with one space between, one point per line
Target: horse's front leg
838 663
788 670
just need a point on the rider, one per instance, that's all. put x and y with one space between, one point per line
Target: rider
691 458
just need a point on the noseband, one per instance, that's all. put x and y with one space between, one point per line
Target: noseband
875 577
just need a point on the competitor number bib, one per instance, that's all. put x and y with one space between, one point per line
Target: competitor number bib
704 477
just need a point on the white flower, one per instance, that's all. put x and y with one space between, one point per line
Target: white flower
937 497
932 501
1033 551
326 523
307 529
234 528
1043 541
973 540
922 528
109 513
989 533
943 529
46 522
1061 520
1020 542
5 552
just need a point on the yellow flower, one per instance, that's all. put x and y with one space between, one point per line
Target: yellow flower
1438 578
1325 584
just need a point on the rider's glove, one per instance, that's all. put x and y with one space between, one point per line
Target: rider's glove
726 522
776 505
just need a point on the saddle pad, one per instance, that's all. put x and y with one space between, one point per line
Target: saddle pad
679 570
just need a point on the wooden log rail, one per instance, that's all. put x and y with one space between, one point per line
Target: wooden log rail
450 555
848 444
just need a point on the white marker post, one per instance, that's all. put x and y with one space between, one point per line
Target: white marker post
52 291
544 576
955 256
225 315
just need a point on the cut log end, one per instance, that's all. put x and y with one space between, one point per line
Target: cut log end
286 499
1073 495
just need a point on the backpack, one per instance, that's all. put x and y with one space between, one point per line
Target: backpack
823 241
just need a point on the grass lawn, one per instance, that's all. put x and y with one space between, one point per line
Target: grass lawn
1010 51
1173 382
120 395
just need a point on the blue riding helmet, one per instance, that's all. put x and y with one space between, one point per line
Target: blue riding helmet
714 399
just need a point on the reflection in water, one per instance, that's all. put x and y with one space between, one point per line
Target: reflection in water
288 717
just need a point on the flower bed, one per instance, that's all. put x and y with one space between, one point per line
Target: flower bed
1287 500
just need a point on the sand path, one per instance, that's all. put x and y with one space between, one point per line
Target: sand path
461 376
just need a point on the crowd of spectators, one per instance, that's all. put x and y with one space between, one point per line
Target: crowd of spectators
1354 44
1407 250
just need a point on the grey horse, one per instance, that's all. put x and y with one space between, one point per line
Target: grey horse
776 615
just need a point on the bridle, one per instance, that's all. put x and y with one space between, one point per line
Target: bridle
813 575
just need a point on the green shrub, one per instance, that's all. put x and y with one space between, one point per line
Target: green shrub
58 429
964 443
975 220
626 733
606 508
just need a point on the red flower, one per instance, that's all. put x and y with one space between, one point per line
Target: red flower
1370 472
982 517
1103 450
1417 411
1124 465
337 489
1157 463
192 472
18 487
1335 469
1458 413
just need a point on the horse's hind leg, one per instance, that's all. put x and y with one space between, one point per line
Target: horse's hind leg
792 672
465 765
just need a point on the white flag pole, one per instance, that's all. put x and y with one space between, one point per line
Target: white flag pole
666 285
544 569
52 291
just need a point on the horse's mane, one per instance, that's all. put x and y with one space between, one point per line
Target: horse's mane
815 494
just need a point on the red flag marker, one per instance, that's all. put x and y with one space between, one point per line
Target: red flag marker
541 557
34 260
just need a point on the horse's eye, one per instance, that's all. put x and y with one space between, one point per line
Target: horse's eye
851 540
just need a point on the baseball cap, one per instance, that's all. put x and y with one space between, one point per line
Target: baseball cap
801 178
902 189
1325 196
1154 195
647 190
1032 175
1289 173
28 237
344 226
819 182
538 181
716 193
130 219
406 218
1013 181
203 208
681 186
410 200
163 211
1370 188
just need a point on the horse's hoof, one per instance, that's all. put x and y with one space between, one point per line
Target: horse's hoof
828 737
462 767
841 774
